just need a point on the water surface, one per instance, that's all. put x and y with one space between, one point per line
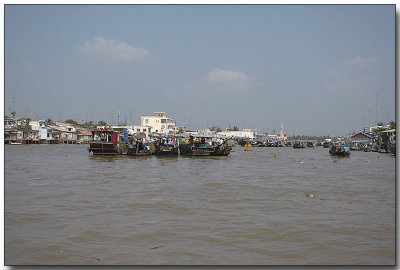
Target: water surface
65 206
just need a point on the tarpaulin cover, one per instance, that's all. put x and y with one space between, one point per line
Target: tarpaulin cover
125 135
114 137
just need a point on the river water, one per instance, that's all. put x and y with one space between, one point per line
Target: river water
65 206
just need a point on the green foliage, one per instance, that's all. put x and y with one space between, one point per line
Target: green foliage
49 121
101 123
89 124
13 114
392 124
235 128
70 121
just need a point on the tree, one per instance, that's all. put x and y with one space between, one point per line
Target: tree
380 123
392 125
89 124
13 114
49 121
219 129
235 128
101 123
70 121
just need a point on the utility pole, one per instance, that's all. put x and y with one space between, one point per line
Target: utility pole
119 115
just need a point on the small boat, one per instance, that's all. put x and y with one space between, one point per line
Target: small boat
223 149
327 144
247 147
104 142
167 146
311 144
140 148
200 145
339 150
299 144
392 148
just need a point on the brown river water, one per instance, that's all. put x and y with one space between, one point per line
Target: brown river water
64 206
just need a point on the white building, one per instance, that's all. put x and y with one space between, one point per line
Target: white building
244 134
38 127
159 123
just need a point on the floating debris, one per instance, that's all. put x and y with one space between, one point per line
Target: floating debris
157 247
314 196
19 169
274 154
334 161
301 162
163 163
366 160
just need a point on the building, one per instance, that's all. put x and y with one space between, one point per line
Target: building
159 123
39 130
244 134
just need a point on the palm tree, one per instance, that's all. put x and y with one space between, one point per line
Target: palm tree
13 114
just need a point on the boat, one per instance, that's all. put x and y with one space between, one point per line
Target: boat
167 146
247 147
105 142
339 150
139 148
223 148
310 144
202 145
392 148
299 144
327 144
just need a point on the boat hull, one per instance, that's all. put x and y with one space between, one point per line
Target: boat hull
102 148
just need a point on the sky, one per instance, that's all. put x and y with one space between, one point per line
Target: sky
319 69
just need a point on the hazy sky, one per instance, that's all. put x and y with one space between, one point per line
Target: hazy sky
321 69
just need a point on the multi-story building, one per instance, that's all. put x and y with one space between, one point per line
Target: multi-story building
39 129
159 123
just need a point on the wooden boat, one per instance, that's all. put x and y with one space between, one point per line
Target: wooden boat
167 146
223 149
104 142
392 148
339 150
327 144
299 144
201 145
139 148
310 144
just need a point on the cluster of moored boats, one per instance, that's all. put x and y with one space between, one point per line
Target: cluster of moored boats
108 142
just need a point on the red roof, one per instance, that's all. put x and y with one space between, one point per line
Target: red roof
85 132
